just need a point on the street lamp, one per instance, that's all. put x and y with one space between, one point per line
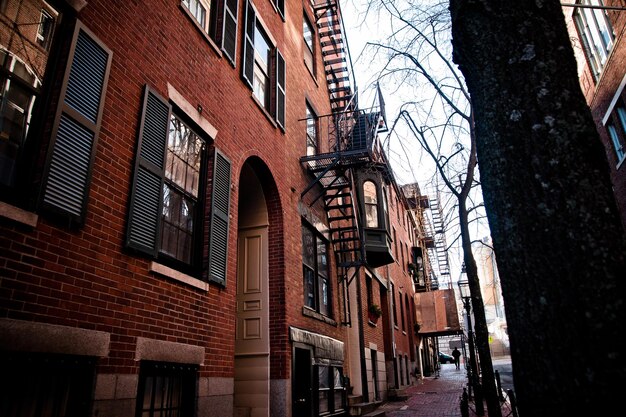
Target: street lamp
472 373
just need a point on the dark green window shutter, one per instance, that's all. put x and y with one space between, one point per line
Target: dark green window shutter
229 34
247 67
146 201
280 89
75 131
220 207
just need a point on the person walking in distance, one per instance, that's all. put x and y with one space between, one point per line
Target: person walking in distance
456 355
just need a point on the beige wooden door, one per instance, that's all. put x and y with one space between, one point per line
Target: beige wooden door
252 329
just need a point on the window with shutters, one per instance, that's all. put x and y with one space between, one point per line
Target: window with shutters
166 217
217 19
315 271
78 91
263 67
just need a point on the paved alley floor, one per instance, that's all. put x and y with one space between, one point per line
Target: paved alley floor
436 396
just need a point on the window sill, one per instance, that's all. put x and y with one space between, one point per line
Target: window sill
308 312
264 110
371 323
620 164
166 271
312 73
18 215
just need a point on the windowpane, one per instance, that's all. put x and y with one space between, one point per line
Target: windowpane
322 258
180 190
200 10
311 132
323 375
308 247
307 31
317 291
596 34
309 288
370 197
619 150
169 390
262 56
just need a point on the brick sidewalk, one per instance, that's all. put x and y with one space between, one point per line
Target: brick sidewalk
432 396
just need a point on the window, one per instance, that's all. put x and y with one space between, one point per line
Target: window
263 67
369 289
331 392
70 141
311 131
617 131
393 301
308 32
401 312
261 79
37 384
166 211
218 19
370 198
596 34
46 27
315 271
166 389
183 162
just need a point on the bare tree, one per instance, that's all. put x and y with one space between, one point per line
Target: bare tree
417 53
553 217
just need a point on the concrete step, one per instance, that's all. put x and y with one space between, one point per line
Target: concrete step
365 409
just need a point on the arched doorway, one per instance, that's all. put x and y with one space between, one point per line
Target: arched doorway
252 335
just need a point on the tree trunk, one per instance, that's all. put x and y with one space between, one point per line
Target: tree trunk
489 389
552 214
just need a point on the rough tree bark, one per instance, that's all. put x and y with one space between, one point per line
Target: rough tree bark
556 231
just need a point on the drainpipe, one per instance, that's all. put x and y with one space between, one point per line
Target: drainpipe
390 303
359 301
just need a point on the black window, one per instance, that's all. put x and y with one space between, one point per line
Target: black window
263 67
315 271
166 212
166 389
35 384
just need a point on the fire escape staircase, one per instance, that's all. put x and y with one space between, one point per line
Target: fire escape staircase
351 144
438 251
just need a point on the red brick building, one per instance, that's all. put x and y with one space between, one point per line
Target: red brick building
195 214
598 30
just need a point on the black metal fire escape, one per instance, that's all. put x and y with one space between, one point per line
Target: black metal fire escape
352 142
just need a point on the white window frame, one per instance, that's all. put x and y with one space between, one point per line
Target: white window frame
596 33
